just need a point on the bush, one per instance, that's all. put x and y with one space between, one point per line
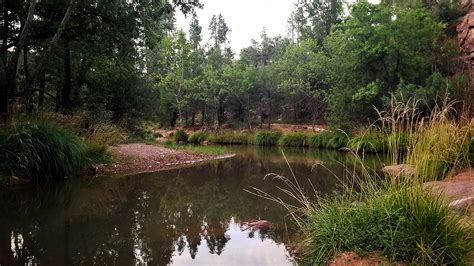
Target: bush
267 138
232 138
41 151
294 140
370 142
99 137
404 225
198 137
328 140
180 136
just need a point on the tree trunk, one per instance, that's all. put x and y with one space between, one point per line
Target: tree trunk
66 93
8 83
42 87
203 116
25 61
193 119
40 65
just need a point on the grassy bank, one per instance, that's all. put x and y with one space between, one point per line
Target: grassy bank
51 146
394 215
41 151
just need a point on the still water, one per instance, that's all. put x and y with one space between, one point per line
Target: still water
195 215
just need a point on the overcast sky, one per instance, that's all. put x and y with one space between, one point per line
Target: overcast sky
245 18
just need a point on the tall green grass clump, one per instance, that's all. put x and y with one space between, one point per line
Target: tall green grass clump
440 148
41 151
329 140
267 138
231 138
369 142
436 145
198 137
395 217
98 137
294 140
180 136
404 225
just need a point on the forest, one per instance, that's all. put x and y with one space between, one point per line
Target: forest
347 137
125 61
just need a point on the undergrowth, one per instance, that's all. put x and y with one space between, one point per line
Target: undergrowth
41 151
231 137
180 136
396 216
294 140
370 142
329 140
267 138
198 137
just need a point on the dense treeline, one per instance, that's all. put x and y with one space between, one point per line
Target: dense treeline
81 55
124 61
334 69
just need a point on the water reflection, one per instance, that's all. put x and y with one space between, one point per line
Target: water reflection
189 215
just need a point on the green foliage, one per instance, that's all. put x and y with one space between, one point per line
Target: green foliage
198 137
401 49
370 142
180 136
398 141
231 137
293 140
41 151
328 140
267 138
98 137
404 225
439 146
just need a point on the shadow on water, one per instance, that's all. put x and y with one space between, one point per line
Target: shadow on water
189 215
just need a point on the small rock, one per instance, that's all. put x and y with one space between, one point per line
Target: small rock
462 205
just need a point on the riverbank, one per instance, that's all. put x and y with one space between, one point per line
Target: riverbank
142 158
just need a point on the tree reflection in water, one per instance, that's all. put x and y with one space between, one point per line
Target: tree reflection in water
180 216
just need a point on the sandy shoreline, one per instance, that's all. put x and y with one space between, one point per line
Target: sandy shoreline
142 158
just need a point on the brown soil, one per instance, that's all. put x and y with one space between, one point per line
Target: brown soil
351 258
142 158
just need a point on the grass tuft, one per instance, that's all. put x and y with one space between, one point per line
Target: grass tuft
231 137
329 140
267 138
180 136
404 225
41 151
369 142
198 137
293 140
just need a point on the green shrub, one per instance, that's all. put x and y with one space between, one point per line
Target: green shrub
267 138
98 137
404 225
370 142
180 136
294 140
328 140
198 137
41 151
231 137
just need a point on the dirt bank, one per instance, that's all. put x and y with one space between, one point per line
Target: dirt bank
142 158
